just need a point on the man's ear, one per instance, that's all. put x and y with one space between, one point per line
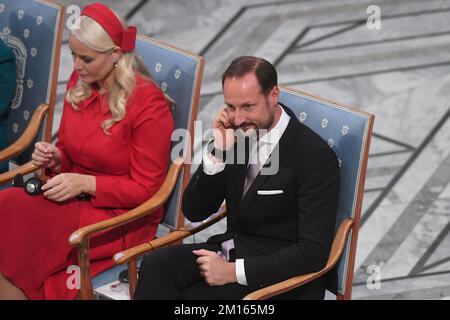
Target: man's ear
274 95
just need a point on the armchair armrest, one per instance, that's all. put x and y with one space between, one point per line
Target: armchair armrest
146 208
23 170
27 136
175 236
294 282
129 256
80 237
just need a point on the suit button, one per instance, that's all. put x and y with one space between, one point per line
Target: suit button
261 286
236 235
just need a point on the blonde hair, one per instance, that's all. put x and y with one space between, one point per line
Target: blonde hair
92 35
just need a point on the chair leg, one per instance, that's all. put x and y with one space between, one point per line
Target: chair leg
132 277
86 291
343 296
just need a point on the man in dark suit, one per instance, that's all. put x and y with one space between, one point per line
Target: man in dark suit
280 223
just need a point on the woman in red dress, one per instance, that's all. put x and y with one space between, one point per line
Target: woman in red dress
113 145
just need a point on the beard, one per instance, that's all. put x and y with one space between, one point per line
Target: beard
253 128
251 132
248 128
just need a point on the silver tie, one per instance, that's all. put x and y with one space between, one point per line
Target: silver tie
252 171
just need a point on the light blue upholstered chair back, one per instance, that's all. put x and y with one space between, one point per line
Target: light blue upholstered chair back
179 74
347 131
32 29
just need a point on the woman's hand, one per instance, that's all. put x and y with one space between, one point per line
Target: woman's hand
65 186
46 155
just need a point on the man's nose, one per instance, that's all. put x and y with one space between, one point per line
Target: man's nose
238 118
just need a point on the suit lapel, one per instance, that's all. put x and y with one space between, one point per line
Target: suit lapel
285 145
239 177
239 183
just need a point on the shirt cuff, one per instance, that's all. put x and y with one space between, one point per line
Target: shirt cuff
240 272
209 166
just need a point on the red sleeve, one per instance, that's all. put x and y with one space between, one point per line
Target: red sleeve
149 158
66 164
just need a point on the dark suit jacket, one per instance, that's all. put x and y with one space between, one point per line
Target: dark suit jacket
281 235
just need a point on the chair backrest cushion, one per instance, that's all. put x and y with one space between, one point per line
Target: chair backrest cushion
178 73
346 132
30 29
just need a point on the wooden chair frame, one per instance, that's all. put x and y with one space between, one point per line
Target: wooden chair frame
80 238
43 112
347 225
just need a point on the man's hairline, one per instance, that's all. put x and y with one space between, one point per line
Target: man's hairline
242 76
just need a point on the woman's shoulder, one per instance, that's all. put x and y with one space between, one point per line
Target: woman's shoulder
146 90
145 84
7 63
6 53
147 96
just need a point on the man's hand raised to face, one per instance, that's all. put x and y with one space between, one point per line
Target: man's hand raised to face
223 130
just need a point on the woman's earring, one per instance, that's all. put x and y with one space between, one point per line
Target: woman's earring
115 64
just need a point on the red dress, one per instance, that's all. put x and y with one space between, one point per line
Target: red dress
130 165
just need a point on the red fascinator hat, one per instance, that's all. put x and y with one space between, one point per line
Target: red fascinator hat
125 39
